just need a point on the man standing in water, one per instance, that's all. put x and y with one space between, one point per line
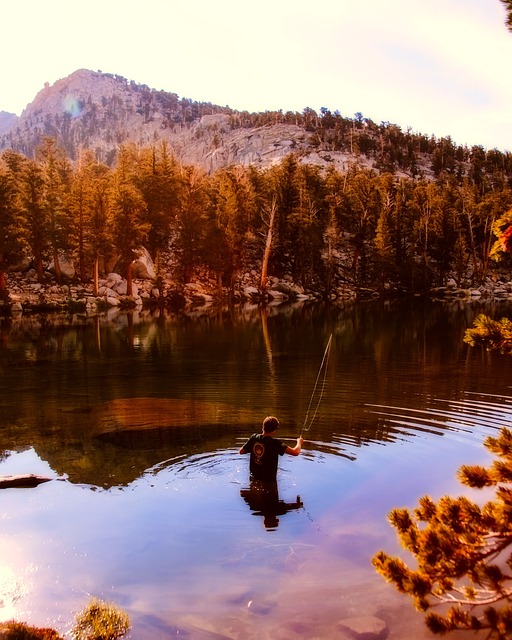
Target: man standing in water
263 495
265 451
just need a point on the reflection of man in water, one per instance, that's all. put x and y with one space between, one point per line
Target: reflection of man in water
263 500
265 450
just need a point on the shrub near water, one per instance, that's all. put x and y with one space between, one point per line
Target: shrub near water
100 621
462 551
21 631
495 335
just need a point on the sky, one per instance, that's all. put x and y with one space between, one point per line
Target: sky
438 67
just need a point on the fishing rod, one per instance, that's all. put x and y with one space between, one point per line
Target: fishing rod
305 426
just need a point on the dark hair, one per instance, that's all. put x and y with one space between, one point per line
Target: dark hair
270 424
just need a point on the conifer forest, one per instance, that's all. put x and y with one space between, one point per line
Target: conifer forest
422 211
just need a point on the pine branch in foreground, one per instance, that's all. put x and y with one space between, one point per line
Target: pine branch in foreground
462 552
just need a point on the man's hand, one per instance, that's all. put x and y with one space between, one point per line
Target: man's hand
295 451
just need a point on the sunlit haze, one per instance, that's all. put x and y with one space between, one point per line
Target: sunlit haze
440 67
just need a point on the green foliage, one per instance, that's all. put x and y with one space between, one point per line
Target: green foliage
191 222
89 205
508 8
360 227
22 631
156 176
100 621
462 552
502 229
492 334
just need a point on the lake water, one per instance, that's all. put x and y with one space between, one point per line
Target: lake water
141 417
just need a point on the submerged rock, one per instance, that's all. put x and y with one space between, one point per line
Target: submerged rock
364 628
146 414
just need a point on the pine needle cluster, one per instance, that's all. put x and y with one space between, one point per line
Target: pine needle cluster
508 8
494 335
462 552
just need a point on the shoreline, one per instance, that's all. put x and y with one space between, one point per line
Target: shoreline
26 296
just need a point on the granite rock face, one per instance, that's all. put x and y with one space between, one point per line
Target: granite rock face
102 111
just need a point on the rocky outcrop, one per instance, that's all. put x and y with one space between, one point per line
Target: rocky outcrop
143 266
7 121
499 288
102 109
66 265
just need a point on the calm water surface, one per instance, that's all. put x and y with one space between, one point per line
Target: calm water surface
140 418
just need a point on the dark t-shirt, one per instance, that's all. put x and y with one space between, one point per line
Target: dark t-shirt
264 452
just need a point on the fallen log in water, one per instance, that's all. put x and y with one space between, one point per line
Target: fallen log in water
22 481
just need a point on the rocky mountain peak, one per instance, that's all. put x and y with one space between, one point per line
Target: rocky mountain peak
65 93
100 111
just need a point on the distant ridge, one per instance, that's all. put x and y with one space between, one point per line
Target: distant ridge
7 121
101 111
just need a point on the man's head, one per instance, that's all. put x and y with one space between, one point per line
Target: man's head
270 424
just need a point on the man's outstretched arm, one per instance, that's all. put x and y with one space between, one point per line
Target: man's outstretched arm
294 451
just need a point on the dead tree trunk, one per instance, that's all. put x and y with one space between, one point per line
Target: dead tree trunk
268 244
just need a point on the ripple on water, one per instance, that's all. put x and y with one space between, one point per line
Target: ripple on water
218 463
472 417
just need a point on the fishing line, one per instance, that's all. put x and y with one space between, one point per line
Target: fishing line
305 426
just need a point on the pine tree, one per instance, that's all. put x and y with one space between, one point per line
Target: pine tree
56 174
462 551
281 182
385 255
364 202
89 203
494 335
231 215
508 8
335 199
128 214
10 225
36 227
98 238
156 177
490 209
444 229
191 220
306 225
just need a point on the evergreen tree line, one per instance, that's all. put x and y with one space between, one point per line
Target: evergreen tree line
327 228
